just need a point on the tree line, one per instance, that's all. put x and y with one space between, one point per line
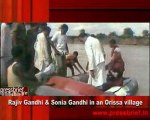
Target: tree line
127 33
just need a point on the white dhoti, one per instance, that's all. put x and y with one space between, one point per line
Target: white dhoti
100 75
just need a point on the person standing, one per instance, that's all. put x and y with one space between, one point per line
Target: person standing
6 46
96 67
42 50
59 44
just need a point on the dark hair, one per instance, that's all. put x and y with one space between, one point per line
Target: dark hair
112 41
64 26
43 24
34 24
82 31
76 53
16 51
92 35
46 28
83 35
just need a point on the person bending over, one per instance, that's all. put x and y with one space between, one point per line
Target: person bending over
95 55
72 60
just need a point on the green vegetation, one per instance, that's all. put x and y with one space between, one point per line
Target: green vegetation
127 37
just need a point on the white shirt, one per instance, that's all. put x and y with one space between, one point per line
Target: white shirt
42 58
6 40
60 42
94 52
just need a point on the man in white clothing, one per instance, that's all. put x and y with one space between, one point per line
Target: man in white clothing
95 54
42 50
59 44
6 46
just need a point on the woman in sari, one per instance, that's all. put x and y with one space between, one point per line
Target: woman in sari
116 65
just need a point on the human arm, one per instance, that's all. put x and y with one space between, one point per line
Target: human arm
53 42
76 68
47 49
80 66
103 51
92 73
91 65
67 49
54 48
87 65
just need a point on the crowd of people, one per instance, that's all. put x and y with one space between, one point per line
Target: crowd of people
26 49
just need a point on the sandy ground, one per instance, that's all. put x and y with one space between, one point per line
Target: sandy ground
136 60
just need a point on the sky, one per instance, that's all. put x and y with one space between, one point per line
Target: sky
95 28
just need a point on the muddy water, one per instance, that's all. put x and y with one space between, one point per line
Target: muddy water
136 59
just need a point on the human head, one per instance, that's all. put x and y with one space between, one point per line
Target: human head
75 53
21 27
17 52
82 31
112 43
46 30
42 26
27 26
83 37
92 35
34 25
64 29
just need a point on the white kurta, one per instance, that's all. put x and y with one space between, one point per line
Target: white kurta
96 60
6 46
42 57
